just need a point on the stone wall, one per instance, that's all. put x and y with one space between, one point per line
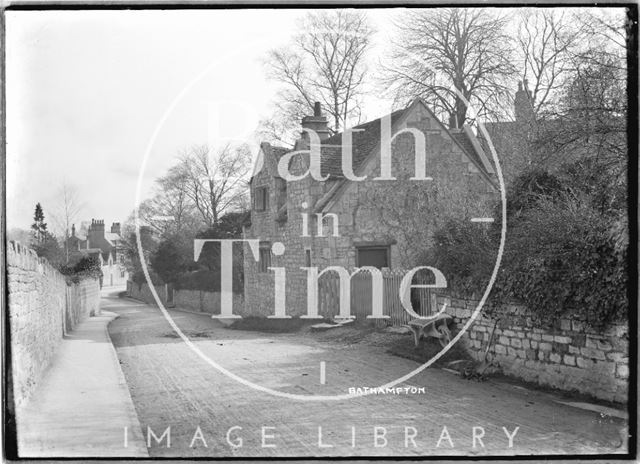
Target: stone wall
568 356
192 300
43 307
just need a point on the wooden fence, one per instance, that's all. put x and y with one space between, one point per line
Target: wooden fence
423 300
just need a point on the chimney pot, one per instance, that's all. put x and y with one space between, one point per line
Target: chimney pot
317 109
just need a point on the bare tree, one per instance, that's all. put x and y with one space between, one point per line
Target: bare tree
214 182
441 50
170 210
545 40
66 212
325 63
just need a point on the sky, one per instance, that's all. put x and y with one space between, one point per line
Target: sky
90 93
97 99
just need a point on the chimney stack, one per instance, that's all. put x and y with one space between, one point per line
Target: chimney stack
523 106
115 228
317 123
453 121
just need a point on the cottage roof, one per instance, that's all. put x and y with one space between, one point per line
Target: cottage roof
366 145
364 139
111 237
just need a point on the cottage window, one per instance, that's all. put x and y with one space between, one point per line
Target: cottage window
376 256
281 186
307 257
261 199
265 257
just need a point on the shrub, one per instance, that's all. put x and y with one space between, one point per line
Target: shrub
562 256
86 267
560 259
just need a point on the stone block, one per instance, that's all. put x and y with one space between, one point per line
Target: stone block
617 357
606 368
574 350
603 345
590 342
622 371
504 340
547 337
569 360
620 344
584 363
534 336
565 324
592 353
561 339
526 344
500 349
545 346
554 357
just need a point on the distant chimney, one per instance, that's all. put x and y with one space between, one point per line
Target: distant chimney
317 123
115 228
523 106
73 230
97 224
95 236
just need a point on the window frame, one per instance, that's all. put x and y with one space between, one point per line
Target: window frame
263 265
372 247
265 198
281 189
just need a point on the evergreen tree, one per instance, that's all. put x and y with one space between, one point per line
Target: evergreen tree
39 227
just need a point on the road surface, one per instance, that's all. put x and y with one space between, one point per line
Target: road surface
206 413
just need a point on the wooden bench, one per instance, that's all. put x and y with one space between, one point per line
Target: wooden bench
436 328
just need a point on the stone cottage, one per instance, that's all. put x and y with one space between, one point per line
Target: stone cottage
386 223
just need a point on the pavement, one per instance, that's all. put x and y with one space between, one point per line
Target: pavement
82 404
189 409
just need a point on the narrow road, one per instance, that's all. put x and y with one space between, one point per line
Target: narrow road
210 414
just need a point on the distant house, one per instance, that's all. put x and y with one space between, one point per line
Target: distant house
372 218
514 140
104 245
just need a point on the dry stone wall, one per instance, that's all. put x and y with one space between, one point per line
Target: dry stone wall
569 356
43 307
